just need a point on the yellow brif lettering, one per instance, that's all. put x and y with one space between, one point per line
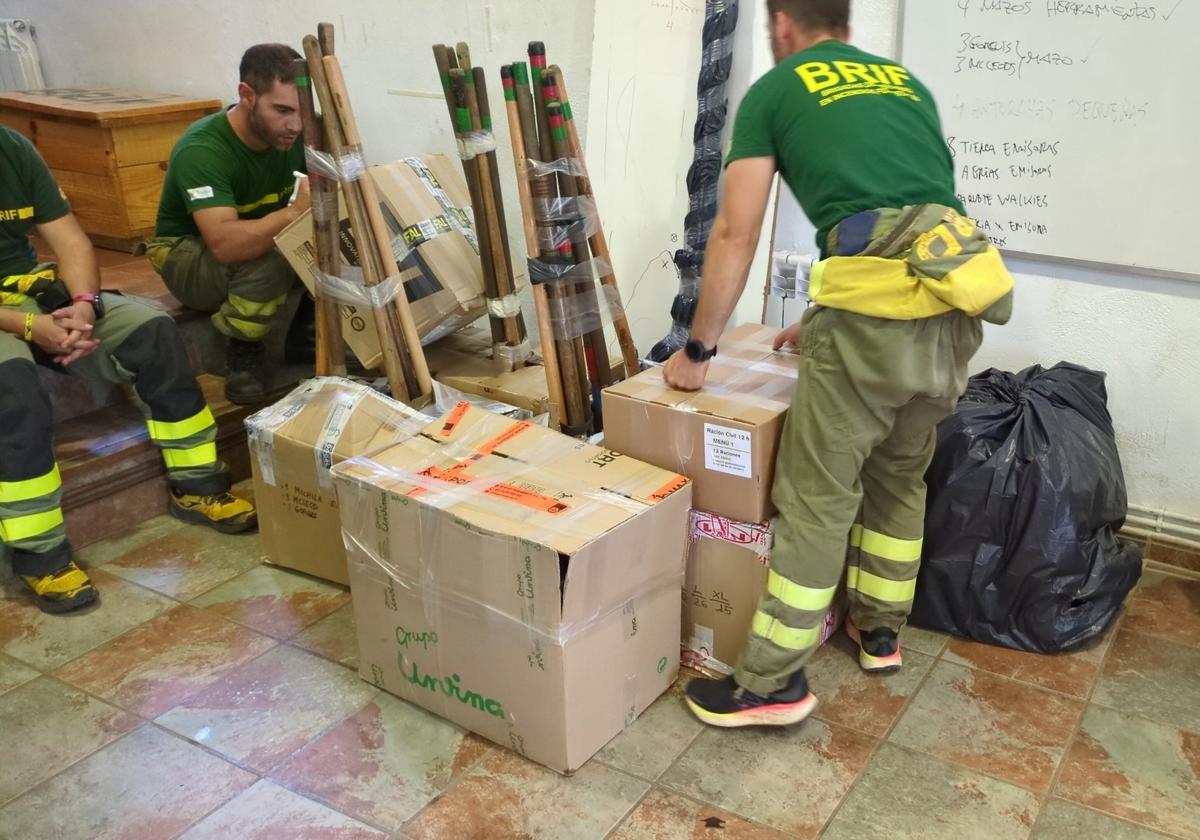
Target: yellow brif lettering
852 71
817 76
898 75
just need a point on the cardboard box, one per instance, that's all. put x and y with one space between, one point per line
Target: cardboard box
426 203
726 577
462 361
724 437
520 583
292 445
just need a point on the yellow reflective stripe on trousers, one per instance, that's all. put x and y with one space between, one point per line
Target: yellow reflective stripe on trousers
799 597
31 525
197 456
881 545
180 429
891 591
249 329
30 488
792 638
256 308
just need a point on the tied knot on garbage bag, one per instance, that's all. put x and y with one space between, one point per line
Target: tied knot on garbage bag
1026 496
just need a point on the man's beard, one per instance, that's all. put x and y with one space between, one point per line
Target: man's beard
258 127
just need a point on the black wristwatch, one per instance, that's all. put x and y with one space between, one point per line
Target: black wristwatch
697 352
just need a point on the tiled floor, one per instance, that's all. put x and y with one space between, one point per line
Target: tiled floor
211 696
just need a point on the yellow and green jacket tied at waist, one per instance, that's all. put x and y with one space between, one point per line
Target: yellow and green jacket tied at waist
915 262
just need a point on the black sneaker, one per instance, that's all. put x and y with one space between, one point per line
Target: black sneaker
878 650
724 703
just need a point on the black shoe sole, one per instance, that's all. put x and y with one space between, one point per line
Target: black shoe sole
200 519
779 714
87 598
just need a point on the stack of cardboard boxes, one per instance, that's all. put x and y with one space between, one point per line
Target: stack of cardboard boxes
518 582
725 438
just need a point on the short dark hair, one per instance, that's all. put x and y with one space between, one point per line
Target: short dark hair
265 64
815 15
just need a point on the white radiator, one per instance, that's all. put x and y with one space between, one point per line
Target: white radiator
20 65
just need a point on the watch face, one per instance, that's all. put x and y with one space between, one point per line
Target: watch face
693 350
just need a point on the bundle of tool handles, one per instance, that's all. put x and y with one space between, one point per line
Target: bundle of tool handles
334 154
567 251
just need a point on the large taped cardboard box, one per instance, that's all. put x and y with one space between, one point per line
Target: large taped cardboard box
426 205
292 446
724 437
726 576
520 583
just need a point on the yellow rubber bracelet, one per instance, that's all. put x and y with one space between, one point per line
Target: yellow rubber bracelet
28 326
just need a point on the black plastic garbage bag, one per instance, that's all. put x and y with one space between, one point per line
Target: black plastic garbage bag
1026 493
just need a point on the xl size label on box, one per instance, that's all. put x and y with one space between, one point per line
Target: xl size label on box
728 450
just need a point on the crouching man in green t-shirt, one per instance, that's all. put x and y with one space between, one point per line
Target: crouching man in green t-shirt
897 301
225 197
54 314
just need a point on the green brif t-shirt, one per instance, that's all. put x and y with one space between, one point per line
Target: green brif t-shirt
211 167
28 196
849 132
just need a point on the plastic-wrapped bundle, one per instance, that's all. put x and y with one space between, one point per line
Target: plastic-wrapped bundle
720 22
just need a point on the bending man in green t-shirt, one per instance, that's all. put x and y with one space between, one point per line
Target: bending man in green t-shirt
54 314
898 297
225 197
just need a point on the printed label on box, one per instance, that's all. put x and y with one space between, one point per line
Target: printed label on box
728 450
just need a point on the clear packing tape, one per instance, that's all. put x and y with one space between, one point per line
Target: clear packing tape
565 220
769 393
511 356
350 290
476 143
575 315
561 166
456 474
341 168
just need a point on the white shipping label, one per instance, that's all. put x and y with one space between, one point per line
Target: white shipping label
728 450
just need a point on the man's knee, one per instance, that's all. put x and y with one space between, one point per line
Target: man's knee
25 419
264 279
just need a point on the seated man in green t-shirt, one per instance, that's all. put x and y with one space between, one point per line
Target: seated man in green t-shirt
225 197
898 297
55 314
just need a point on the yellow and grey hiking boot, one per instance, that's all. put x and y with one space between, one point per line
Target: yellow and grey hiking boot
67 589
223 511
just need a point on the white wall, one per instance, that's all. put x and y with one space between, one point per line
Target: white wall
1140 329
646 57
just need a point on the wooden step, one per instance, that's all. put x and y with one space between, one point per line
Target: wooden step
113 476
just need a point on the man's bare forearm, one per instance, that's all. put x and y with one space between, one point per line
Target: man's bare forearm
242 240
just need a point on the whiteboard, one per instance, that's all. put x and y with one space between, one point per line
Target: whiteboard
1074 125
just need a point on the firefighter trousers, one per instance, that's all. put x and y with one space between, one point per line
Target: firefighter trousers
849 479
244 299
138 345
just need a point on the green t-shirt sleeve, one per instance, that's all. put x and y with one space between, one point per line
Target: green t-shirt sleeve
201 179
49 203
752 131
